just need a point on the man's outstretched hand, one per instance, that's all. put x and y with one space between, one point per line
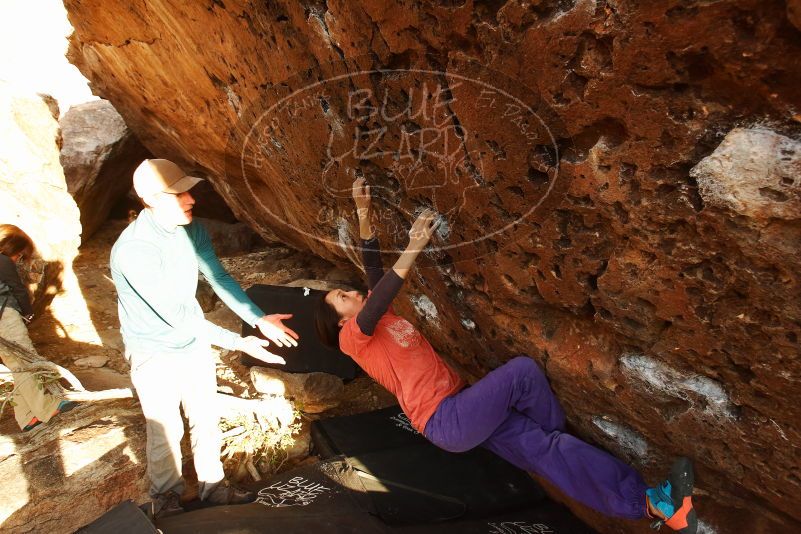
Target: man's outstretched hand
254 346
272 327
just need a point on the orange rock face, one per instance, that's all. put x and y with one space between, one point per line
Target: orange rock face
556 138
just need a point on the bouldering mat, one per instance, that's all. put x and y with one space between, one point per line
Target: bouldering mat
410 480
315 498
351 435
422 483
310 355
329 498
125 518
546 517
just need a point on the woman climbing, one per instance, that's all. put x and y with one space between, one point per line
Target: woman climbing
33 404
511 411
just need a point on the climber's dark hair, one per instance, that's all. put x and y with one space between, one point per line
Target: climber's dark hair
13 240
326 322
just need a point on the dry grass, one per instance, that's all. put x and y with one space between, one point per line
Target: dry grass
256 444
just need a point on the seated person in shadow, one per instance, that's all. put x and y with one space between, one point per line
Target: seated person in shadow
511 411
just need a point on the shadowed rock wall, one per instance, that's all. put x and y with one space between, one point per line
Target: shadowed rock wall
667 315
99 155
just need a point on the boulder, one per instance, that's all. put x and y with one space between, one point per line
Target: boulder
228 239
556 139
99 154
68 472
33 191
301 445
209 204
312 392
205 295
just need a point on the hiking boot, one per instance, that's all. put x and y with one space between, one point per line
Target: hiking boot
163 505
672 499
227 493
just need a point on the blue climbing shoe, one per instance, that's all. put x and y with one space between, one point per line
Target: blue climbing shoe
672 499
65 406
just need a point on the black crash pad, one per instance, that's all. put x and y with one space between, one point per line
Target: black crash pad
408 479
314 499
351 435
422 483
411 480
547 517
125 518
329 498
310 355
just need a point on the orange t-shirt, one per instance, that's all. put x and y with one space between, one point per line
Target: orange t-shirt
399 358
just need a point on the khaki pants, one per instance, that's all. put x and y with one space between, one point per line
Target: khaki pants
164 383
29 400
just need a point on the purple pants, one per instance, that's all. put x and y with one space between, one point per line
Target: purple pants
513 412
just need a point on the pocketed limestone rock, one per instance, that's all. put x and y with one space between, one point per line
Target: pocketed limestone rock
625 255
312 392
754 172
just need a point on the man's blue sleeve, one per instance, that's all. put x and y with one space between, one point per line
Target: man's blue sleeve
141 267
223 283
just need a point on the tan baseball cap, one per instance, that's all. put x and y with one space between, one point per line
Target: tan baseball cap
160 175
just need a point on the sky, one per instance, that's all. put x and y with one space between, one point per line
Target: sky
33 41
